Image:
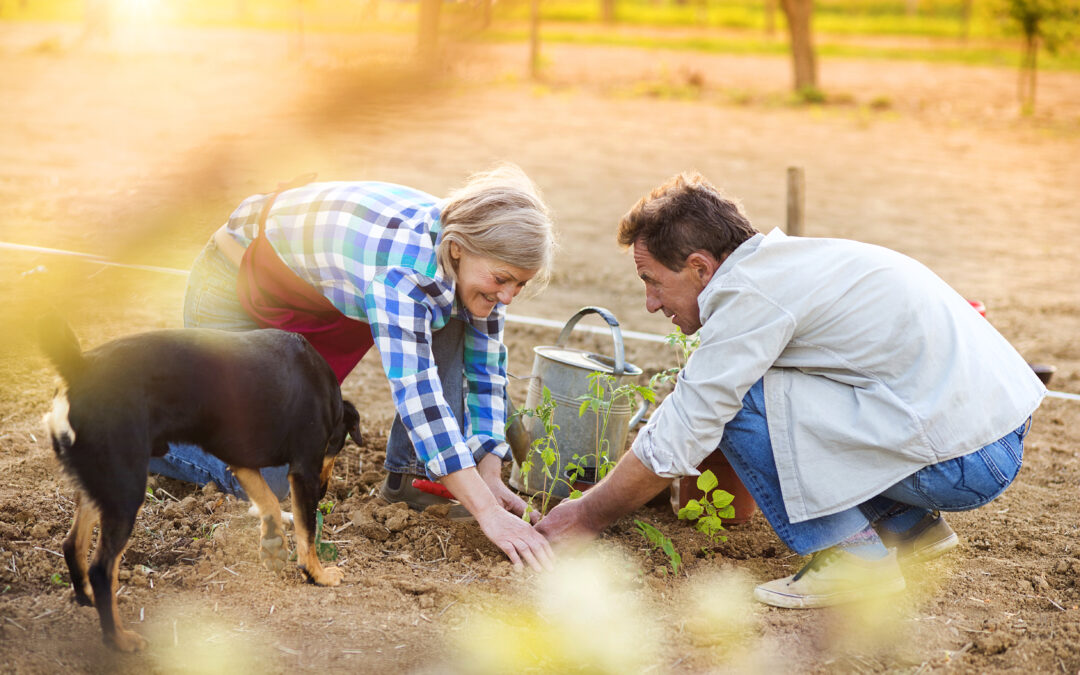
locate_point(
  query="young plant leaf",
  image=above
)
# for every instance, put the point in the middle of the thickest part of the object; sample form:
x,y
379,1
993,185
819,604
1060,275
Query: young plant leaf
x,y
707,481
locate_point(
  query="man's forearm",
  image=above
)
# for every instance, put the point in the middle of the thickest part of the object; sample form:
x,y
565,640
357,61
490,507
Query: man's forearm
x,y
627,487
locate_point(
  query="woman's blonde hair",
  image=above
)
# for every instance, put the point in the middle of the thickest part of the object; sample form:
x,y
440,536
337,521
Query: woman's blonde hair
x,y
500,214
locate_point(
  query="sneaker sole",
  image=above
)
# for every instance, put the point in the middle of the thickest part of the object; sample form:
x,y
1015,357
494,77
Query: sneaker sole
x,y
935,550
789,601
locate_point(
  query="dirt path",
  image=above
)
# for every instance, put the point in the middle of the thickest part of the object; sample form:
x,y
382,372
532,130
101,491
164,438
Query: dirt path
x,y
138,154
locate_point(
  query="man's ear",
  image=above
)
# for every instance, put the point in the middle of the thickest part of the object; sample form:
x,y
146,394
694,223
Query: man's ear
x,y
703,264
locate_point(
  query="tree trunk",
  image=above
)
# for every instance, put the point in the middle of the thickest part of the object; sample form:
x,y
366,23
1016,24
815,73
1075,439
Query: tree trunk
x,y
799,14
607,11
770,17
1026,85
427,45
534,39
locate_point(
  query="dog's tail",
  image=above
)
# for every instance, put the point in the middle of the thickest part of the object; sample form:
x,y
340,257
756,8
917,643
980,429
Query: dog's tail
x,y
59,343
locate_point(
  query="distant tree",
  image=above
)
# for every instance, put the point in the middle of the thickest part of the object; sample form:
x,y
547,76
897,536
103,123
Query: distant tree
x,y
770,17
799,14
534,39
607,11
427,45
1046,23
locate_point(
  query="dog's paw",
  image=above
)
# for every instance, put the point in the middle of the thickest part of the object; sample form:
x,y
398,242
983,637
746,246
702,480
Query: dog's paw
x,y
81,597
273,553
329,576
127,641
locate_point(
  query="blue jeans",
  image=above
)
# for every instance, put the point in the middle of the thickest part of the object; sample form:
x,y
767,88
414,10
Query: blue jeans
x,y
958,484
211,302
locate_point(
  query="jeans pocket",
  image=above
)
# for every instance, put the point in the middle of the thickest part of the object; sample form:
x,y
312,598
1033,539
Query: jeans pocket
x,y
967,482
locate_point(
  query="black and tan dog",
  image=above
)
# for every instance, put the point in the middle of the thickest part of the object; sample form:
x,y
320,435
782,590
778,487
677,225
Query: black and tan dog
x,y
254,399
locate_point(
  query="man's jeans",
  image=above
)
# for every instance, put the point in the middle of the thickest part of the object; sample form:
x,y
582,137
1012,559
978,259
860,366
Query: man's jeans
x,y
954,485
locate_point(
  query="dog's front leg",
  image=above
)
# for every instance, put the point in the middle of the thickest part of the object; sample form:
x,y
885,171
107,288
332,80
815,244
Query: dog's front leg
x,y
76,544
305,497
273,546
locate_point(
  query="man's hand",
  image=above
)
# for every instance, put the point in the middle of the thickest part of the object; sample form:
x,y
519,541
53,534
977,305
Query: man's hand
x,y
565,525
627,487
490,468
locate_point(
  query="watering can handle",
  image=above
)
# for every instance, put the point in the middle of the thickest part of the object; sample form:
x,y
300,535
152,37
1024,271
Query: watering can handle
x,y
616,333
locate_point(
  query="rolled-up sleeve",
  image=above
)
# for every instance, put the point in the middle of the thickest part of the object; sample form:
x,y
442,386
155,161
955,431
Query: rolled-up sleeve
x,y
485,377
400,309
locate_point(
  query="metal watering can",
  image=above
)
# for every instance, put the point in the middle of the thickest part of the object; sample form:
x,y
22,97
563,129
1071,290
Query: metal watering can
x,y
565,372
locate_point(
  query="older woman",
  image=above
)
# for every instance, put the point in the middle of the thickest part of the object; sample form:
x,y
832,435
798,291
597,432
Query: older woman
x,y
351,264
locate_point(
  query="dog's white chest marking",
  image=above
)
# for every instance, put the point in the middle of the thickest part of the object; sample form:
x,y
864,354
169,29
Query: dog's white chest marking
x,y
56,421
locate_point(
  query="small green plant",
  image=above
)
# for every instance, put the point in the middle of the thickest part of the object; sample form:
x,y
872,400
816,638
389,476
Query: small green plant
x,y
206,531
55,579
684,346
601,397
326,551
708,512
657,538
326,506
546,447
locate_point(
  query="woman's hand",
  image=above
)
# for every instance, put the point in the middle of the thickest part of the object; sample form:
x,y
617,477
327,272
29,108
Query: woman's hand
x,y
490,468
516,538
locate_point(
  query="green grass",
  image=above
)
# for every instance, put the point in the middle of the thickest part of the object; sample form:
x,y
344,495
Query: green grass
x,y
1002,54
843,28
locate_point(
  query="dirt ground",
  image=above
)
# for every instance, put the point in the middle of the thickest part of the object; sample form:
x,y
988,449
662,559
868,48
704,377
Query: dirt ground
x,y
137,151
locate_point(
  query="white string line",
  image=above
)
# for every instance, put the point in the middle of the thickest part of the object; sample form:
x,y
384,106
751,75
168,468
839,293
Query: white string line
x,y
513,318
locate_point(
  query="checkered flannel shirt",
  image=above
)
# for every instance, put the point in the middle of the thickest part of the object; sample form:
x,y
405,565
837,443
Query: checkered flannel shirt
x,y
369,247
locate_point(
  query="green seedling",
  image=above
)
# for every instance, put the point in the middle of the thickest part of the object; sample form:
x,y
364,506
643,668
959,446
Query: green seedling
x,y
55,579
601,397
546,447
326,551
657,538
708,512
685,345
326,506
206,532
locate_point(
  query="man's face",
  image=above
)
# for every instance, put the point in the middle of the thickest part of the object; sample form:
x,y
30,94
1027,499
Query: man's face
x,y
673,293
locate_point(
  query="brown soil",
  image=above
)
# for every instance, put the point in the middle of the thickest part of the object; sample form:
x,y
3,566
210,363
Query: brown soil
x,y
138,151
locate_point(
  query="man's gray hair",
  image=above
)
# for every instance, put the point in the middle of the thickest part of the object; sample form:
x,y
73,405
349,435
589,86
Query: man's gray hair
x,y
500,214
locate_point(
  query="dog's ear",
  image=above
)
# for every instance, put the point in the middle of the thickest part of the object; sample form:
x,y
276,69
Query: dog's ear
x,y
351,420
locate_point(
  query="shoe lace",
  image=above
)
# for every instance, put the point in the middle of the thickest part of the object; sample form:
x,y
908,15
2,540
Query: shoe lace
x,y
817,561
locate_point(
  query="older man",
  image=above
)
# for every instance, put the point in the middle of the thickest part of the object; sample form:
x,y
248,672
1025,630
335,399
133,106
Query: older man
x,y
854,392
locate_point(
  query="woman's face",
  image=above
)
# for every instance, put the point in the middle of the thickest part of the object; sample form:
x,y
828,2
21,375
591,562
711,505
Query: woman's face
x,y
484,282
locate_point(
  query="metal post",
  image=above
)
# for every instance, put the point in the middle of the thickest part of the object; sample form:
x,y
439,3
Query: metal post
x,y
796,201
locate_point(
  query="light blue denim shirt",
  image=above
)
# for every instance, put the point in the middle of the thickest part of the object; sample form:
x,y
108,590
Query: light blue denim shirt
x,y
873,367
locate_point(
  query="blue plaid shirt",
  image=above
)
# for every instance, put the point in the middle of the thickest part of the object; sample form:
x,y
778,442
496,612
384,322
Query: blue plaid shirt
x,y
370,249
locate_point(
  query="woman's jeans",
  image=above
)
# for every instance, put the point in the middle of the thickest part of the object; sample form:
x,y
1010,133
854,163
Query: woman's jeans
x,y
957,484
211,302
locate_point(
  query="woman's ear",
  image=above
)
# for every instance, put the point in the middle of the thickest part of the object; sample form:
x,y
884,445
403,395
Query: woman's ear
x,y
455,251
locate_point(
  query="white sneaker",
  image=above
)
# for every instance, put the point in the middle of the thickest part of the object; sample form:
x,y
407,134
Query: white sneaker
x,y
834,577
